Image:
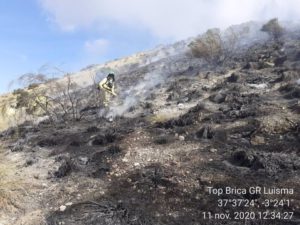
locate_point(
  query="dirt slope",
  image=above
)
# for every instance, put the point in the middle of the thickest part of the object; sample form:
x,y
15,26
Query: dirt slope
x,y
235,125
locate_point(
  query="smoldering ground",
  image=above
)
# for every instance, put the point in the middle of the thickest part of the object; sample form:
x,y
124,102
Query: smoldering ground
x,y
229,131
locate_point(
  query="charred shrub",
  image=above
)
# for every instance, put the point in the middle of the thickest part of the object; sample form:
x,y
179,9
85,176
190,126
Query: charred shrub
x,y
110,137
216,47
173,96
92,110
180,130
218,98
63,170
219,86
287,88
161,140
242,158
18,146
75,143
98,157
233,78
197,108
220,136
114,149
194,94
185,120
23,98
174,86
208,47
33,86
147,105
99,140
295,93
246,159
92,129
9,132
47,143
131,109
273,28
205,132
291,90
101,171
182,121
30,162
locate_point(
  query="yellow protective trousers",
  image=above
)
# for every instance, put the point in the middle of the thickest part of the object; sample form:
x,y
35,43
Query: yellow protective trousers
x,y
107,98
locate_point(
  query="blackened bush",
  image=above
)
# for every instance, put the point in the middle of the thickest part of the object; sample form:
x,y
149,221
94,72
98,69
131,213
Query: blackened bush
x,y
92,129
114,149
161,140
273,28
209,46
47,143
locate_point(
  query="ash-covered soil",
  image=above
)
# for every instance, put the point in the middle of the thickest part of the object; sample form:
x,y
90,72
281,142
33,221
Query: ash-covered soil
x,y
235,125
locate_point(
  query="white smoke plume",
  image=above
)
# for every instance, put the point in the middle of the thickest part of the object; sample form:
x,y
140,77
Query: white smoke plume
x,y
167,19
136,94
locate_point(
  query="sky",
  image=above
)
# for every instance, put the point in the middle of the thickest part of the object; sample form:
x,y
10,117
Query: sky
x,y
72,34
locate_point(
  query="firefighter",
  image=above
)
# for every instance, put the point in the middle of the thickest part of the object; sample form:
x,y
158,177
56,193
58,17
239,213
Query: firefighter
x,y
108,86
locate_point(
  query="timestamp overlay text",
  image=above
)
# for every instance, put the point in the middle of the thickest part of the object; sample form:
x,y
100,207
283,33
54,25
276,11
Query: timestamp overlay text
x,y
251,203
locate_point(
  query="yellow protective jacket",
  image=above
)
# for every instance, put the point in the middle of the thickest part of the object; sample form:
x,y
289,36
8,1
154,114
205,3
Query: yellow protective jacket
x,y
104,85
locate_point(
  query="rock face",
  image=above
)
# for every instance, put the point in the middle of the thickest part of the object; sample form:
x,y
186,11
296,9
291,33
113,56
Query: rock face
x,y
181,125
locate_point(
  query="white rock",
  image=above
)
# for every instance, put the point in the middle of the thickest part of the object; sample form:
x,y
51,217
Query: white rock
x,y
180,106
136,164
181,138
213,150
124,160
83,160
258,86
69,203
62,208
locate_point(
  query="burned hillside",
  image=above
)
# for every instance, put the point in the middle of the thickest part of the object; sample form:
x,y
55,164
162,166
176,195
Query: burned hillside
x,y
182,124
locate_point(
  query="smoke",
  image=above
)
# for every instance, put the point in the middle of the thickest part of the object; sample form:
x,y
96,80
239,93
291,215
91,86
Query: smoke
x,y
168,19
136,94
246,34
125,105
166,51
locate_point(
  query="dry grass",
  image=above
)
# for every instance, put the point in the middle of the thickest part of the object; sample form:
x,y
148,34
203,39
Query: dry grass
x,y
159,118
12,189
2,124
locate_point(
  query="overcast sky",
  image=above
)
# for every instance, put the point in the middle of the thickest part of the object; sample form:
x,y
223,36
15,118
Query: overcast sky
x,y
72,34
